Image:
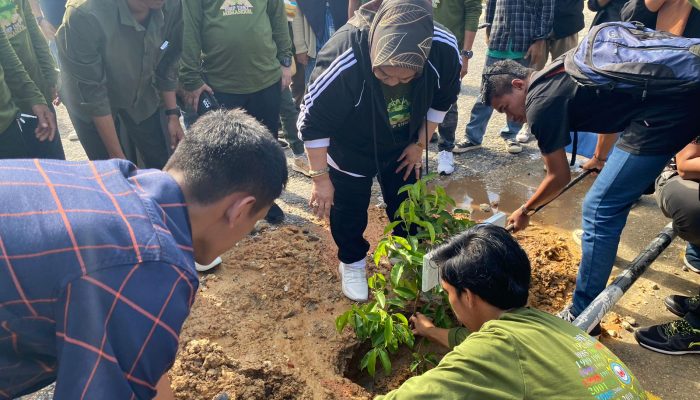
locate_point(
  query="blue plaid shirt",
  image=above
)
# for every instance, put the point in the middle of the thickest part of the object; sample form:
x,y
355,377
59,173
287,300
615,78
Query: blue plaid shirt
x,y
96,277
515,24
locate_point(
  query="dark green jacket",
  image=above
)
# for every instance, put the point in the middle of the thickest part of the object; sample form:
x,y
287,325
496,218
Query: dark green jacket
x,y
111,62
236,44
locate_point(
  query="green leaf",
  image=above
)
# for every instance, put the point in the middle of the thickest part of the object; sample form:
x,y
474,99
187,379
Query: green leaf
x,y
396,273
364,361
390,227
381,298
386,363
405,293
405,188
372,362
373,317
371,281
402,242
401,318
378,339
388,330
342,321
396,302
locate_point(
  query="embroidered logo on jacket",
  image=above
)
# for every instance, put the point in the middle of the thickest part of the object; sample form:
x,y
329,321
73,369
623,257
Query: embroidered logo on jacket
x,y
236,7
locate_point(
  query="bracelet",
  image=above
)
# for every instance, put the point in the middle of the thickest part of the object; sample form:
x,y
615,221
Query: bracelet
x,y
599,159
420,144
320,172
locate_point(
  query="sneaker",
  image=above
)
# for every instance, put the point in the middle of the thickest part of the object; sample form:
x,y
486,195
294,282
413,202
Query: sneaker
x,y
73,137
576,235
680,305
675,337
353,279
446,164
283,143
301,164
275,215
567,316
691,259
203,268
523,135
513,147
463,147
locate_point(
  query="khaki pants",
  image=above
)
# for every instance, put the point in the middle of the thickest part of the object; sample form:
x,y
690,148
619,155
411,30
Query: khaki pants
x,y
557,47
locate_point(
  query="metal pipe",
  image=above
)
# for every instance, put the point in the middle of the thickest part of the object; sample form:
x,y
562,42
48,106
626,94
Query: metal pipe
x,y
605,301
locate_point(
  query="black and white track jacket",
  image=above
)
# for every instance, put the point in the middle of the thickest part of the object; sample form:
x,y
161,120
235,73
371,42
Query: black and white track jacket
x,y
344,107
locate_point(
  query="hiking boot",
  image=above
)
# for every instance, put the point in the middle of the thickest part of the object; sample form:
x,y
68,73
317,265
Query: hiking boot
x,y
301,164
446,164
513,147
680,305
691,259
275,215
353,279
675,337
523,135
204,268
465,146
567,316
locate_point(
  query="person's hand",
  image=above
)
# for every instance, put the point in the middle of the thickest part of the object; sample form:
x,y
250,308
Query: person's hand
x,y
322,191
175,131
519,220
535,53
465,67
595,164
302,58
192,98
286,77
47,29
421,324
410,160
55,98
46,126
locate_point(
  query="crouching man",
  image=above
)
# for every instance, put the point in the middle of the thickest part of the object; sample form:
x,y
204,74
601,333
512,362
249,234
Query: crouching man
x,y
97,258
513,352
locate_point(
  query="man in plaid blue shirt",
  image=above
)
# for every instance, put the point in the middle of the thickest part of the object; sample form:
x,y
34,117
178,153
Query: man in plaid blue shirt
x,y
97,258
517,31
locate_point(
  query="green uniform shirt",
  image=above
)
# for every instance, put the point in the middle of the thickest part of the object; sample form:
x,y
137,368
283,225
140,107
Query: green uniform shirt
x,y
458,16
15,83
110,62
526,354
236,44
20,27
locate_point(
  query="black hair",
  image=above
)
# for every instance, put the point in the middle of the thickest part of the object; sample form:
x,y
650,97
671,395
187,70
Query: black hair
x,y
496,81
226,152
488,261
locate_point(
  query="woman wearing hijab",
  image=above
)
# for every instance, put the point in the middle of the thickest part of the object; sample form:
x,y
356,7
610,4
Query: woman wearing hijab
x,y
381,86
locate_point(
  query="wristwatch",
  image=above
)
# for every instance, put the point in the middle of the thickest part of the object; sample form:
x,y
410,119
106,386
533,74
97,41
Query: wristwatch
x,y
286,62
468,54
173,111
527,211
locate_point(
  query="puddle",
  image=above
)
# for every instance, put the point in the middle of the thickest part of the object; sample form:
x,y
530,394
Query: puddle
x,y
506,195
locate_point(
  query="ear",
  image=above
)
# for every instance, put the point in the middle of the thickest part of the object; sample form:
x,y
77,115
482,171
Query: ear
x,y
238,208
518,84
469,299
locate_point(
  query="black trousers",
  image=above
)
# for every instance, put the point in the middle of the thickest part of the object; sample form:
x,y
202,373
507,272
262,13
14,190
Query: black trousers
x,y
263,105
19,141
147,136
350,202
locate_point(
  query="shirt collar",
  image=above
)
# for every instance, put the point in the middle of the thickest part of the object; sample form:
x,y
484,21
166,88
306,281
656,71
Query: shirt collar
x,y
127,18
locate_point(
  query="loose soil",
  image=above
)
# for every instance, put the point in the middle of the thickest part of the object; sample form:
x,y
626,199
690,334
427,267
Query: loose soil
x,y
262,326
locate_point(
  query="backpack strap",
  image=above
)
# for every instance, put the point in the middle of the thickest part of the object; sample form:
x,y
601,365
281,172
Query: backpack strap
x,y
574,149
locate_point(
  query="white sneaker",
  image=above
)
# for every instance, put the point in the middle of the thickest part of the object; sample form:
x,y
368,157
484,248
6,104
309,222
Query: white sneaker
x,y
523,135
73,137
513,147
203,268
446,164
353,279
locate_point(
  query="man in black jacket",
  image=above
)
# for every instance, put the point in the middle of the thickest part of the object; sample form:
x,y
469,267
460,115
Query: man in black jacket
x,y
381,86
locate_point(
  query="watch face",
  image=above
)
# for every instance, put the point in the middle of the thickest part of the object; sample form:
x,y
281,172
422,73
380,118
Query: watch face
x,y
286,62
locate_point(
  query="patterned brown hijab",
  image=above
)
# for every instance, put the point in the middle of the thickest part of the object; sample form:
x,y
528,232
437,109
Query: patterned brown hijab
x,y
400,32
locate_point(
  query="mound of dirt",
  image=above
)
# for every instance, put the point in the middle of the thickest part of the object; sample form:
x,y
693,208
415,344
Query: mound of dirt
x,y
204,371
554,259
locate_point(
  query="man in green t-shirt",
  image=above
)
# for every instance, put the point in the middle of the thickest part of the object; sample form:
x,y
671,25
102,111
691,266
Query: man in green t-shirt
x,y
239,51
513,352
28,45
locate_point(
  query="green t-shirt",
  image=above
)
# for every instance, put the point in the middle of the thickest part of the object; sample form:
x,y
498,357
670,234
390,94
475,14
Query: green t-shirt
x,y
526,354
398,106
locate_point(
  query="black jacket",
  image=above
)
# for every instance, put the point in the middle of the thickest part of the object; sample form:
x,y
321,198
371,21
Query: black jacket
x,y
568,18
344,107
609,13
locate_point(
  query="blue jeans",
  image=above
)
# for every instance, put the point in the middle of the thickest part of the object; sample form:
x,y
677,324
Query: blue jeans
x,y
605,211
481,114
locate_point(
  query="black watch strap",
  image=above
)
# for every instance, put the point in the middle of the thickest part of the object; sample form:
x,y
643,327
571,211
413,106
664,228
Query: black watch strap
x,y
468,54
173,111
